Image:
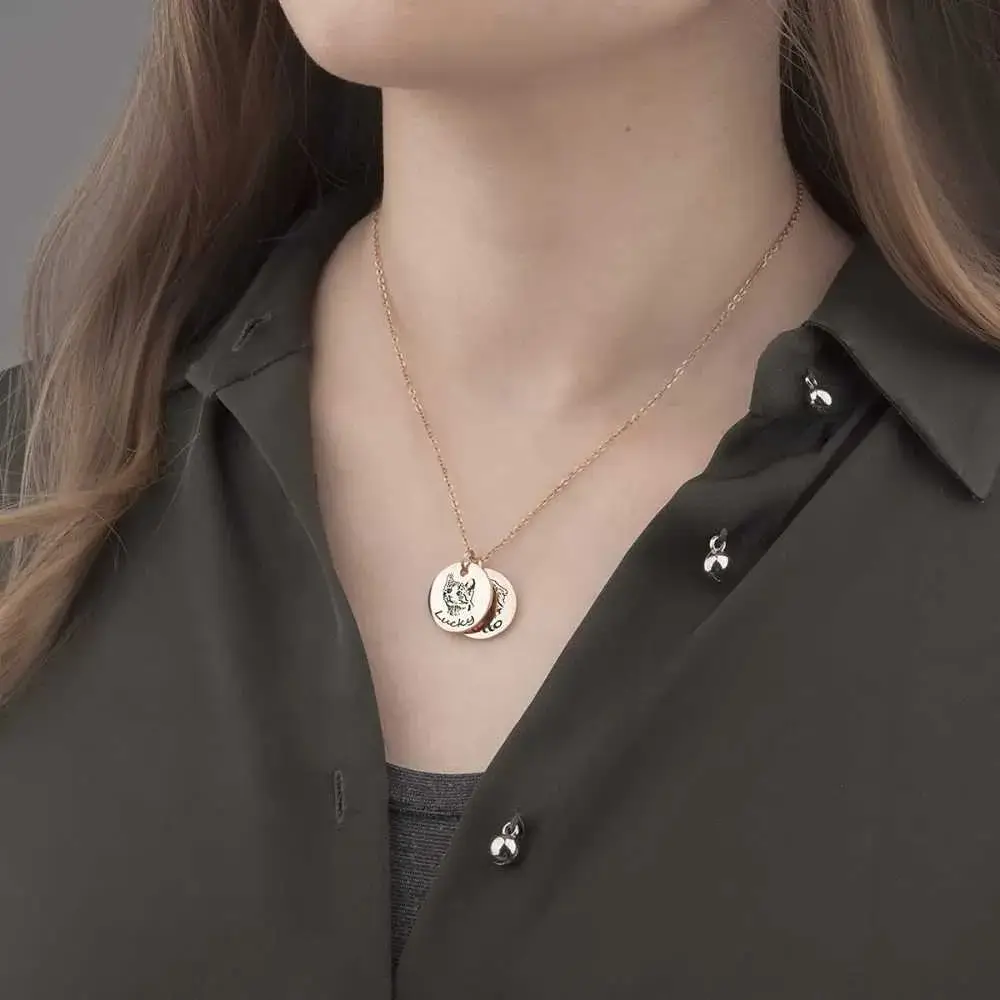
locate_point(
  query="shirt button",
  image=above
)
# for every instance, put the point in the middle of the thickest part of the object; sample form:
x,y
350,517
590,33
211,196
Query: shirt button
x,y
505,848
820,399
717,562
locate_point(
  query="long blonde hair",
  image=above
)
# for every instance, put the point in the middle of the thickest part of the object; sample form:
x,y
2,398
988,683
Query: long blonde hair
x,y
231,131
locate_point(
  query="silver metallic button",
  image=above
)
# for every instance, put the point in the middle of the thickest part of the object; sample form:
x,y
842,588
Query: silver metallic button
x,y
505,848
717,561
820,399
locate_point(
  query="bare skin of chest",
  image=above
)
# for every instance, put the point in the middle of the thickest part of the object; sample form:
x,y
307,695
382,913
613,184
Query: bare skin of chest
x,y
447,703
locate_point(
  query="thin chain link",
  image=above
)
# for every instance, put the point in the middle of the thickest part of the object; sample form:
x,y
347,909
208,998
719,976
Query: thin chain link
x,y
470,553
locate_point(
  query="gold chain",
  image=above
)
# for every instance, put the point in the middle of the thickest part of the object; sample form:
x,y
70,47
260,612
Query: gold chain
x,y
470,553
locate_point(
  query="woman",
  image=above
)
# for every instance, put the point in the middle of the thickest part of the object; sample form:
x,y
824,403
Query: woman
x,y
500,503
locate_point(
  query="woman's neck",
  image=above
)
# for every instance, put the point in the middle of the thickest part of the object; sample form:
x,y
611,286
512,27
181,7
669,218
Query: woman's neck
x,y
585,227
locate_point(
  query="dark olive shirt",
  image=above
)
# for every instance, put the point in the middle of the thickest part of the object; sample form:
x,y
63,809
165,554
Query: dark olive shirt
x,y
780,783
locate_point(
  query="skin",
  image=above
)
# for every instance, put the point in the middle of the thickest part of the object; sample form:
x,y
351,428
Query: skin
x,y
574,190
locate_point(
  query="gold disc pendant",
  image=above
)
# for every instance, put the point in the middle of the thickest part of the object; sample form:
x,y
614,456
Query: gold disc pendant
x,y
461,597
504,608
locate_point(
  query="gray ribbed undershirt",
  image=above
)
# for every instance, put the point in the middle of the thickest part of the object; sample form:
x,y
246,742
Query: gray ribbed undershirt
x,y
424,811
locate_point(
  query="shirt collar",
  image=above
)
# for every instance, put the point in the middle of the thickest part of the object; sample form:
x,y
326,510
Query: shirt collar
x,y
273,315
944,382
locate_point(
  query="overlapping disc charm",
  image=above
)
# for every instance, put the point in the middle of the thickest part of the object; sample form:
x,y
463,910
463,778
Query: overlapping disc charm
x,y
461,597
504,608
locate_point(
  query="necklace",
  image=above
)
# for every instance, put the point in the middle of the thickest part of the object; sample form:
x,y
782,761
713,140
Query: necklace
x,y
477,601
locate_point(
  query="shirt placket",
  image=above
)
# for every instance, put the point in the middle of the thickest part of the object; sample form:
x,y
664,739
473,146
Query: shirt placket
x,y
665,589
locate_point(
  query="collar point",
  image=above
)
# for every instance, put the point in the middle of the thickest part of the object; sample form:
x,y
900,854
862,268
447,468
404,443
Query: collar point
x,y
979,482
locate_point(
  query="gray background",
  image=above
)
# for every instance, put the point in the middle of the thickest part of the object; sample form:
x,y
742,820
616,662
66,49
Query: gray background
x,y
64,73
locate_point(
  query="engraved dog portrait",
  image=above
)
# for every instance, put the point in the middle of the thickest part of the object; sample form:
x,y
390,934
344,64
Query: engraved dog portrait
x,y
458,595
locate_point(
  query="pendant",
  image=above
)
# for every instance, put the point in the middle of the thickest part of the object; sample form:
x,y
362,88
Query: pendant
x,y
461,597
504,608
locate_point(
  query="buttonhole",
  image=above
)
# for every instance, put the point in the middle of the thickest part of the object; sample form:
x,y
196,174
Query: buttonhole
x,y
248,329
339,799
